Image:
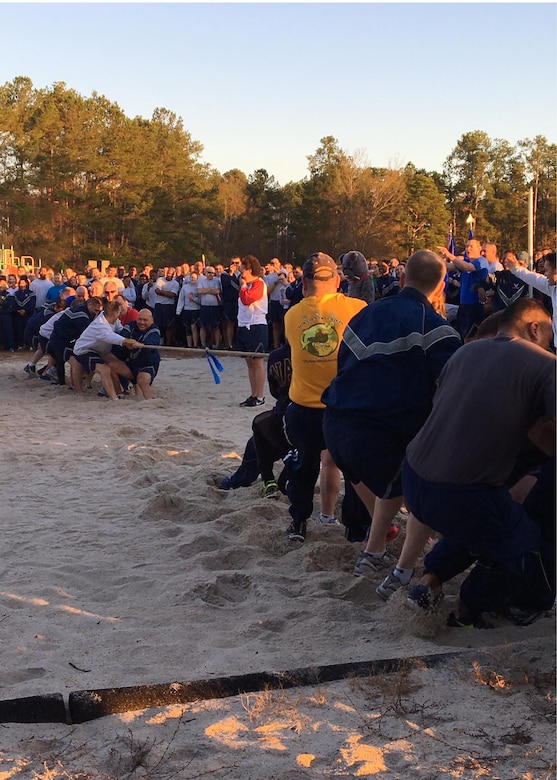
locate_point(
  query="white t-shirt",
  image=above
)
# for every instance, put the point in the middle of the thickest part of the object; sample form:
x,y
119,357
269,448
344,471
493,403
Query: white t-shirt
x,y
100,336
40,287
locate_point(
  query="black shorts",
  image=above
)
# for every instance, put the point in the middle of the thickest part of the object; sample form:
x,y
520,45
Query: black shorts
x,y
164,315
209,316
253,339
190,317
276,312
230,311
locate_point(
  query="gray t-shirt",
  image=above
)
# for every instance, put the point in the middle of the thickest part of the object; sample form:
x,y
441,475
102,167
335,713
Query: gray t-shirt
x,y
490,394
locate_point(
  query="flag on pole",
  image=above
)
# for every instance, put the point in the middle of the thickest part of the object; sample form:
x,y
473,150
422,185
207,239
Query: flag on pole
x,y
451,246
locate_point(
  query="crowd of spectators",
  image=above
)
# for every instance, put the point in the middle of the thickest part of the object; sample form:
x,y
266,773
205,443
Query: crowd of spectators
x,y
372,382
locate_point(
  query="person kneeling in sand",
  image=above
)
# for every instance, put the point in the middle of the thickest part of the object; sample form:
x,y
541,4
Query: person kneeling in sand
x,y
143,364
92,351
463,495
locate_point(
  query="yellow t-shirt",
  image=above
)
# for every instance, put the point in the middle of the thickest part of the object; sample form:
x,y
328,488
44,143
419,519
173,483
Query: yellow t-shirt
x,y
314,329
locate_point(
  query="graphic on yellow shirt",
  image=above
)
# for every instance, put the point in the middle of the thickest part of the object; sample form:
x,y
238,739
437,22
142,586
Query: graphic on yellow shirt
x,y
320,340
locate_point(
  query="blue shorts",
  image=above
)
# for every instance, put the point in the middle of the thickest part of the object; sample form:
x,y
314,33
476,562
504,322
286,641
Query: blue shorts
x,y
89,361
481,518
365,454
252,339
150,370
58,350
209,316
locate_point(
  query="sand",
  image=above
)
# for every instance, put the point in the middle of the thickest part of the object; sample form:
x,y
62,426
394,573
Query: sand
x,y
124,564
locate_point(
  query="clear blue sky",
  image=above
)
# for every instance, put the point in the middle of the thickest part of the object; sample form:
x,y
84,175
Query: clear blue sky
x,y
260,84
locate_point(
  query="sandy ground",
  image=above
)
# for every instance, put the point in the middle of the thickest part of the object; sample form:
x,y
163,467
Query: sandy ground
x,y
123,564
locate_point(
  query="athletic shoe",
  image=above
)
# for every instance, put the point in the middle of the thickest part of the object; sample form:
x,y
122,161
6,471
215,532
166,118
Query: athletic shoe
x,y
270,489
523,617
326,520
52,373
479,622
249,401
31,370
389,585
422,597
367,564
297,533
102,394
226,483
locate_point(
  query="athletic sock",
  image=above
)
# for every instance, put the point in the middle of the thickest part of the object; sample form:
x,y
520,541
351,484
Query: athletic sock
x,y
404,575
377,555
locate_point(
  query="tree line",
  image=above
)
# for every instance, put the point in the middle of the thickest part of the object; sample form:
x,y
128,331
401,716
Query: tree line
x,y
81,180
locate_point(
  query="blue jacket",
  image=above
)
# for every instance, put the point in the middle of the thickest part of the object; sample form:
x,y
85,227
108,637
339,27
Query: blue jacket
x,y
391,355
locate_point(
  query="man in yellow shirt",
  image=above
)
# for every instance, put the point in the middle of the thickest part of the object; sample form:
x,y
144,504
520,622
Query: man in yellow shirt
x,y
314,329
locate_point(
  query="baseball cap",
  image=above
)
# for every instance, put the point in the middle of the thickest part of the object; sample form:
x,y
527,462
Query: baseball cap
x,y
320,267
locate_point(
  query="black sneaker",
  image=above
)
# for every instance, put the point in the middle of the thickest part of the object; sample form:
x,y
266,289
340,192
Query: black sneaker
x,y
253,401
297,533
31,370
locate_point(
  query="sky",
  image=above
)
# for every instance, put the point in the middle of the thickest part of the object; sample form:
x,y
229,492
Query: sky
x,y
260,84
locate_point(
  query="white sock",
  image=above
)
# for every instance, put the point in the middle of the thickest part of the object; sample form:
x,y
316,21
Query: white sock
x,y
377,555
404,575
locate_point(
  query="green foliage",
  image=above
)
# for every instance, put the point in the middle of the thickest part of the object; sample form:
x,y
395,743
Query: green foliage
x,y
80,180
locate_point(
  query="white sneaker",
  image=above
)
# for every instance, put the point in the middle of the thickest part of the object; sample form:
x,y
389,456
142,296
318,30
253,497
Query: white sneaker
x,y
390,584
326,519
367,564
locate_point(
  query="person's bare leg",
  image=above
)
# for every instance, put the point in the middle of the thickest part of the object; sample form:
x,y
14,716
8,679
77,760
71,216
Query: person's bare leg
x,y
277,334
77,373
228,333
106,378
256,376
144,384
382,512
415,540
195,335
329,484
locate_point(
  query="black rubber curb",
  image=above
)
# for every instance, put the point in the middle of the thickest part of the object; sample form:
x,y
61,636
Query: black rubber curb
x,y
88,705
48,708
91,704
